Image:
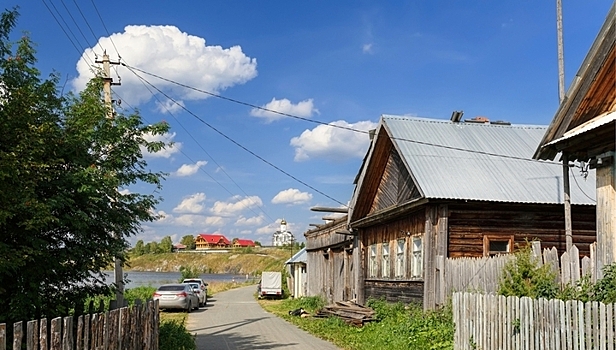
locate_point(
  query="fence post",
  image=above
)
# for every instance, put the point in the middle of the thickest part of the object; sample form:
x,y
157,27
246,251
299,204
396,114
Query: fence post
x,y
2,336
32,335
43,343
17,335
56,333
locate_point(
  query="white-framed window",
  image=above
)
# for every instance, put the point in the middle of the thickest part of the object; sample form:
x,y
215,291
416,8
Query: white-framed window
x,y
385,260
372,265
417,257
400,261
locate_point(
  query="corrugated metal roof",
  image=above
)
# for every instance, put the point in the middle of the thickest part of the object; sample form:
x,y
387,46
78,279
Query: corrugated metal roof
x,y
299,257
485,162
586,127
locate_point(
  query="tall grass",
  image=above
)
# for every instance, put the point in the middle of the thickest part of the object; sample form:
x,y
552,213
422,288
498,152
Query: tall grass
x,y
399,326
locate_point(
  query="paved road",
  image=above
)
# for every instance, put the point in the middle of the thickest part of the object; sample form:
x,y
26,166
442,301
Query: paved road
x,y
234,320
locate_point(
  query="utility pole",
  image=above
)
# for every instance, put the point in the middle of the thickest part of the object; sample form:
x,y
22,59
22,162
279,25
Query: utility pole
x,y
561,97
107,82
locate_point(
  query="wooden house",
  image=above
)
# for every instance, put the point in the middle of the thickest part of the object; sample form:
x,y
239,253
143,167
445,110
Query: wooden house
x,y
330,261
211,241
435,189
243,243
584,129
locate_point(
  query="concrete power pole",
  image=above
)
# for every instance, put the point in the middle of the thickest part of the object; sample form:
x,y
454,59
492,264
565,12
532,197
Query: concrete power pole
x,y
561,97
107,82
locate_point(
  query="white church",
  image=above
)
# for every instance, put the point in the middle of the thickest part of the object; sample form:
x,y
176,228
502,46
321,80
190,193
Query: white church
x,y
282,237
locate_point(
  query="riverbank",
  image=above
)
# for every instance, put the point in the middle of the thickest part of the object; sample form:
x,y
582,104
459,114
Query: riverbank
x,y
238,262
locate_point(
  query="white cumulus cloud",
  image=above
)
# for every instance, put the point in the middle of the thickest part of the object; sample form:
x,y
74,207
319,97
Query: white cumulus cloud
x,y
190,169
332,143
301,109
236,205
192,204
292,196
173,54
251,221
166,152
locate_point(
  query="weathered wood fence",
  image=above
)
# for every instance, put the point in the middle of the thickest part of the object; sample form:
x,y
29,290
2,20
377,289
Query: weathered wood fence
x,y
482,274
496,322
127,328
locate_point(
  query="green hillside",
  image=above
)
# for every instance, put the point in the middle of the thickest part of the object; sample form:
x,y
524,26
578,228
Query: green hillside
x,y
242,261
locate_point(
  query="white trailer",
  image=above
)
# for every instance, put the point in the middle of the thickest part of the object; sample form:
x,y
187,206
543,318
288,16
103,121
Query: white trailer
x,y
270,285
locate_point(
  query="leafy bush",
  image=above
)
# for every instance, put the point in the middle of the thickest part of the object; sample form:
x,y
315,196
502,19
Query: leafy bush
x,y
605,289
523,277
173,335
188,272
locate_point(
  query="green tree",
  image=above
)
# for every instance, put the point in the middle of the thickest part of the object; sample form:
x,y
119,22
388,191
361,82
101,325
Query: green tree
x,y
166,245
139,248
62,161
152,248
189,242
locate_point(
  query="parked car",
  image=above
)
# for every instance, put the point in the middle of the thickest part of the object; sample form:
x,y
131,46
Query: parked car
x,y
202,287
201,295
176,296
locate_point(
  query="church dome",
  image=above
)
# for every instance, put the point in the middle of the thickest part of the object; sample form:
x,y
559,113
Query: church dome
x,y
283,222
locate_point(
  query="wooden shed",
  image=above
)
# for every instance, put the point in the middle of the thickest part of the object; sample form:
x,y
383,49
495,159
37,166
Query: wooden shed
x,y
432,189
584,129
331,268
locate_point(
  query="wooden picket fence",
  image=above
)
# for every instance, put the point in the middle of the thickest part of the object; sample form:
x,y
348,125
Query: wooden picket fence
x,y
127,328
485,322
483,274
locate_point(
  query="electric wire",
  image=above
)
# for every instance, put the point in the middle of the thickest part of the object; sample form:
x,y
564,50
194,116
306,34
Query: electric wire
x,y
74,22
88,24
66,34
233,141
105,27
67,26
579,187
219,166
334,125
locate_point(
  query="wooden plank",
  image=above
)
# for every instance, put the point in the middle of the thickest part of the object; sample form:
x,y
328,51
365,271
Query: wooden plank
x,y
56,334
86,332
32,338
574,323
565,270
43,342
79,336
2,336
588,324
581,325
17,335
596,322
610,326
574,256
67,333
602,325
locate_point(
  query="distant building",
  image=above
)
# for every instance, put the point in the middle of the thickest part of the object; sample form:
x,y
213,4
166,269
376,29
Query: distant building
x,y
243,243
178,247
208,241
282,237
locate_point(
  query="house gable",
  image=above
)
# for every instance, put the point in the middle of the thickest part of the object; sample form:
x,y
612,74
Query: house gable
x,y
384,181
396,186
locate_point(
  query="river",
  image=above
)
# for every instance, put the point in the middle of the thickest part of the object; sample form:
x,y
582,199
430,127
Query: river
x,y
155,279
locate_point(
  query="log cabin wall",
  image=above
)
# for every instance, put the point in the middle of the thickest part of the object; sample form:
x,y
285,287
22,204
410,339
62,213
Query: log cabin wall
x,y
384,279
469,223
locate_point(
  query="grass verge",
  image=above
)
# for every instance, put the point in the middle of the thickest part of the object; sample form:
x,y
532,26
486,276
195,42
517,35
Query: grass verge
x,y
399,327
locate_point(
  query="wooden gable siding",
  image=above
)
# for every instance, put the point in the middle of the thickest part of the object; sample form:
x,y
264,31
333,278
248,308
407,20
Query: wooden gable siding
x,y
372,175
469,223
396,186
599,93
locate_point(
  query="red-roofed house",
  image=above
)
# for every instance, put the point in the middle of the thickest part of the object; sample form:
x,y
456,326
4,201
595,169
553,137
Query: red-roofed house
x,y
243,243
208,241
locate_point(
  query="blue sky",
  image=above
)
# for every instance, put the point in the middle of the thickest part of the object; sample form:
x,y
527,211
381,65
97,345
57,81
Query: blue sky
x,y
343,62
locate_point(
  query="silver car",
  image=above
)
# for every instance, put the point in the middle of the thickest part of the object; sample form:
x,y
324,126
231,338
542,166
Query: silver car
x,y
176,296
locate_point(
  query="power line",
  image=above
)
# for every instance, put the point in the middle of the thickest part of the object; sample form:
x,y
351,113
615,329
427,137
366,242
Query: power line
x,y
212,158
88,24
104,26
235,142
334,125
